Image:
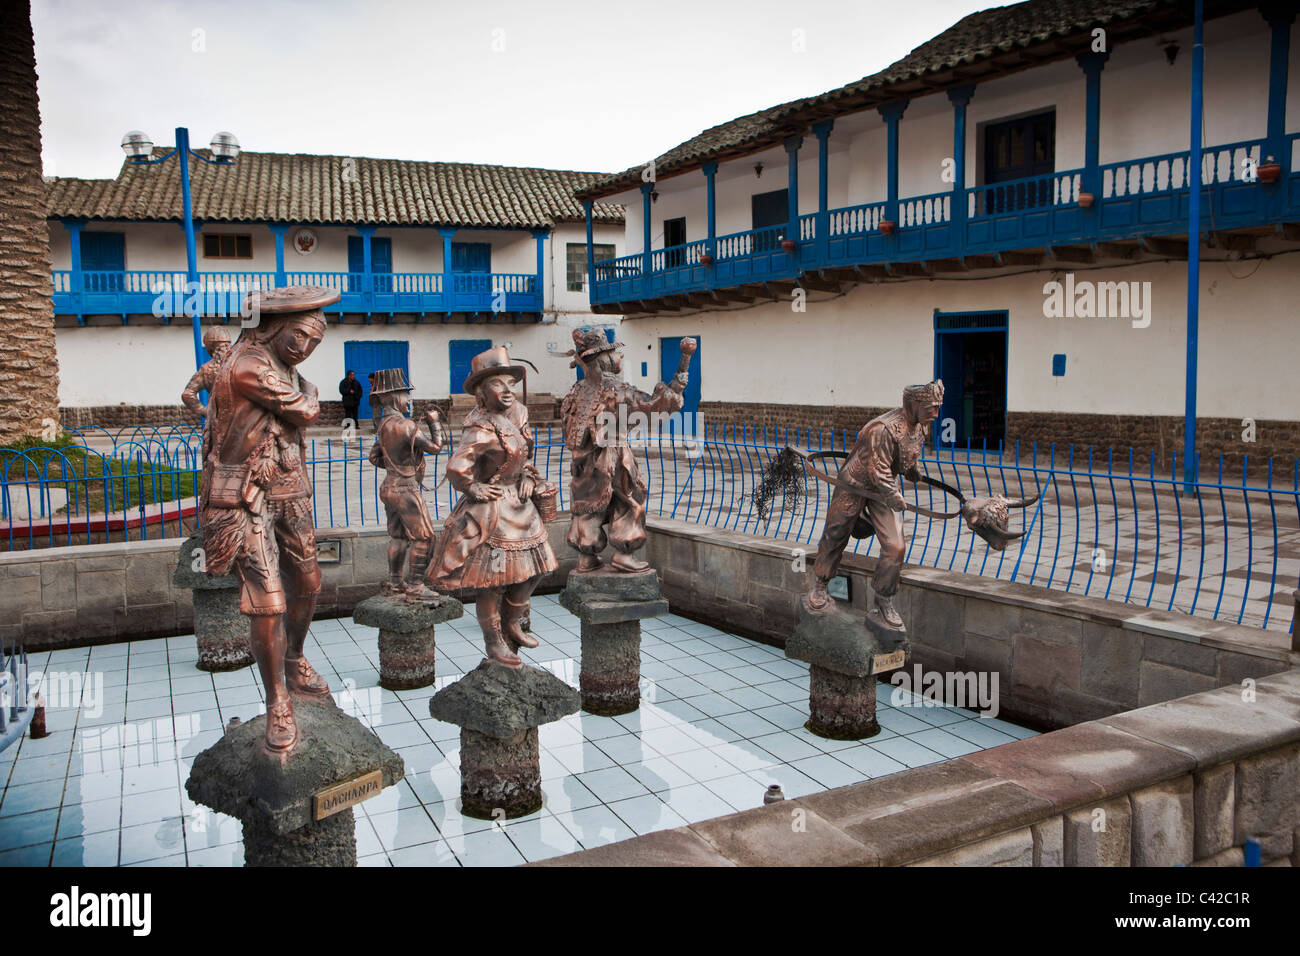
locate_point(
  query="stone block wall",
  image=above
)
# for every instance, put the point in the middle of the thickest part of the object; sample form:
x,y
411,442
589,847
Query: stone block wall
x,y
1180,783
99,594
1059,658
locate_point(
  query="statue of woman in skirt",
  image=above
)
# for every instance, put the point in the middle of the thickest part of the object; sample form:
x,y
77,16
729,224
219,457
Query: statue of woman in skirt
x,y
495,540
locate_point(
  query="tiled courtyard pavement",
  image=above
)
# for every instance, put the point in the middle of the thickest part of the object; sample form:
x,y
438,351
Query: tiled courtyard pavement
x,y
722,717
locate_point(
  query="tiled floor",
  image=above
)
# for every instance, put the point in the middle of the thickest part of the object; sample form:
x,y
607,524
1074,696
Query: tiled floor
x,y
721,719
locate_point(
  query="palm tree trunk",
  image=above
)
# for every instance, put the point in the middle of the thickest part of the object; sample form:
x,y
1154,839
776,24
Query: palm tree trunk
x,y
29,367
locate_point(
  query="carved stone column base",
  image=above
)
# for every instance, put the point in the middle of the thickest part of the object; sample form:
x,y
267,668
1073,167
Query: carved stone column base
x,y
500,774
841,707
220,631
296,812
845,652
498,710
331,842
610,605
406,637
610,679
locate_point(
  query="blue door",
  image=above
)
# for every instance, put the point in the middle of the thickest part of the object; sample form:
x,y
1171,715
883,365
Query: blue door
x,y
670,352
366,357
471,263
381,262
970,355
769,209
461,351
103,254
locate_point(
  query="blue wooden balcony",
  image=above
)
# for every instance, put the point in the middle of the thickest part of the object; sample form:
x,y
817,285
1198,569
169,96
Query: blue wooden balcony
x,y
164,293
1137,199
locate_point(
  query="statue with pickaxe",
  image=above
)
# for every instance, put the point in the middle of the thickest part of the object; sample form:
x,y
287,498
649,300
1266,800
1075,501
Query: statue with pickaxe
x,y
867,498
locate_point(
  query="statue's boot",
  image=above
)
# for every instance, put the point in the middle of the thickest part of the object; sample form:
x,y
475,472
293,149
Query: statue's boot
x,y
625,562
512,616
303,679
281,728
588,562
885,604
392,586
494,644
417,593
817,598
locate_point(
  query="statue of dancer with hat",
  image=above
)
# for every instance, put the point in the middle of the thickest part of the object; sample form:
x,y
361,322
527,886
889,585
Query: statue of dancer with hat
x,y
608,490
399,449
495,540
255,507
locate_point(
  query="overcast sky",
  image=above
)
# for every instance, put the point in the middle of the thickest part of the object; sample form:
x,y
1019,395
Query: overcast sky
x,y
571,84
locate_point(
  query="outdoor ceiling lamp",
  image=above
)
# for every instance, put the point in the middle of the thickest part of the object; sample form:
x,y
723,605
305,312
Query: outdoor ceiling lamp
x,y
137,144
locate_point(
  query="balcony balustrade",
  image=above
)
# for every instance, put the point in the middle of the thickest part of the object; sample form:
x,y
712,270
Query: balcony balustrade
x,y
1136,198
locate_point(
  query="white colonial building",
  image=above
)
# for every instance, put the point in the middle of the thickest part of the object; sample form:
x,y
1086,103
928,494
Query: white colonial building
x,y
434,263
930,219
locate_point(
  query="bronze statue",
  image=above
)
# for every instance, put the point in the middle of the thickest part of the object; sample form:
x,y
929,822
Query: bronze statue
x,y
495,540
399,449
867,499
255,507
217,342
608,490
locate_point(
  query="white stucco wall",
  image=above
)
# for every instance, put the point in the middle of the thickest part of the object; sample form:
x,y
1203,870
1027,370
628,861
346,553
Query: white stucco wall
x,y
865,346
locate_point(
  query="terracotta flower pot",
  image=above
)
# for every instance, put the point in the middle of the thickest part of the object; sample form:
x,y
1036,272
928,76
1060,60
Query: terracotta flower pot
x,y
1268,172
887,226
788,245
706,259
1086,200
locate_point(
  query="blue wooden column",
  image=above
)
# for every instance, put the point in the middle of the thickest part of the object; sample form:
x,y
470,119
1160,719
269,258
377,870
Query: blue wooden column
x,y
960,97
646,189
591,253
1091,63
448,288
77,279
1279,19
540,235
278,229
891,113
710,170
367,280
822,131
792,144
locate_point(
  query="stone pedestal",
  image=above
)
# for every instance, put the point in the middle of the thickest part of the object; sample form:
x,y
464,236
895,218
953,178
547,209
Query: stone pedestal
x,y
498,710
845,653
276,802
219,629
406,638
610,605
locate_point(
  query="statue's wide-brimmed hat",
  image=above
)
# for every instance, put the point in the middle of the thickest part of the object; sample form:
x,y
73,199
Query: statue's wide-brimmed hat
x,y
292,298
588,343
492,362
389,380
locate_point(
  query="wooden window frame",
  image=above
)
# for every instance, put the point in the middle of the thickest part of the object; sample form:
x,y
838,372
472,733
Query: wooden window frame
x,y
236,236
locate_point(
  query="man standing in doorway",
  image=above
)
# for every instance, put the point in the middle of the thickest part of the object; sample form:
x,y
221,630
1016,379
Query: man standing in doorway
x,y
350,389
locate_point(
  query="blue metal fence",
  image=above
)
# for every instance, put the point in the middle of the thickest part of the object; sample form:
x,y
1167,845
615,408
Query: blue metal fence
x,y
1103,526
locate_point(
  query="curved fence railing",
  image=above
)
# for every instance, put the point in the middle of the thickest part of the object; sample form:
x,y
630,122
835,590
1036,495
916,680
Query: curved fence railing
x,y
1102,526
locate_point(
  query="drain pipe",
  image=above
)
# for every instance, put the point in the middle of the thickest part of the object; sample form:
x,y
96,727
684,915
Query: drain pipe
x,y
1190,464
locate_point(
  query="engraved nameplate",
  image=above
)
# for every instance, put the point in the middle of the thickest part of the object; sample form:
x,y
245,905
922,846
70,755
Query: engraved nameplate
x,y
339,797
888,662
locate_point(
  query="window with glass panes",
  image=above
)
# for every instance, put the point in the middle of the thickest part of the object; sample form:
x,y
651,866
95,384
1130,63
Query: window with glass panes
x,y
232,246
576,262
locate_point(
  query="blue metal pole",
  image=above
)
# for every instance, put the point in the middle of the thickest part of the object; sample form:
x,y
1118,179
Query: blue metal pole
x,y
1193,255
191,253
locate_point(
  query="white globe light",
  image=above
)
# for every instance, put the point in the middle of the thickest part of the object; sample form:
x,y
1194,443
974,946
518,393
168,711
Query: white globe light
x,y
224,145
137,144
